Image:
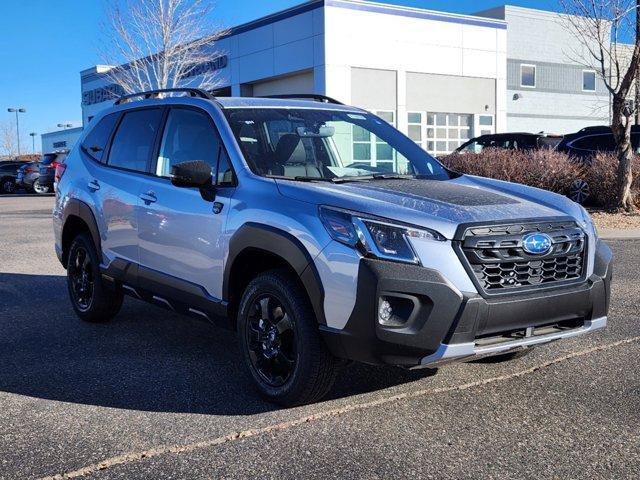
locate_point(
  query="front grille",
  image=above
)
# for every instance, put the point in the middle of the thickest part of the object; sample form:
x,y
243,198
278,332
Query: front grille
x,y
499,263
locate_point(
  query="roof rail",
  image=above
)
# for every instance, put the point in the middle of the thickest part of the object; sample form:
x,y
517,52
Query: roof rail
x,y
193,92
307,96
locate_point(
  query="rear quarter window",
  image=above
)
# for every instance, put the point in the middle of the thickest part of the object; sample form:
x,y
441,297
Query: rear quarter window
x,y
95,143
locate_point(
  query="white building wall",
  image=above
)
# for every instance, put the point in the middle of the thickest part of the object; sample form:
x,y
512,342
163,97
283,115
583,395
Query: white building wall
x,y
299,83
60,139
557,103
404,41
316,47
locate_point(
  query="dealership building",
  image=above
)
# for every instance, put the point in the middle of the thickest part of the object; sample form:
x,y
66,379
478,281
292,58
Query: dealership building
x,y
439,77
546,90
60,140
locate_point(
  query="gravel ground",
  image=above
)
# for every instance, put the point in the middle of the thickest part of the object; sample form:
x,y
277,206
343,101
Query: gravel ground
x,y
155,395
606,220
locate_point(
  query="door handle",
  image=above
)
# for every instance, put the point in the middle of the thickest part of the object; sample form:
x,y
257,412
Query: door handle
x,y
149,197
93,185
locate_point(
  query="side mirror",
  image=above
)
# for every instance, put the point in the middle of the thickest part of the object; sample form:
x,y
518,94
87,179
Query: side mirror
x,y
194,173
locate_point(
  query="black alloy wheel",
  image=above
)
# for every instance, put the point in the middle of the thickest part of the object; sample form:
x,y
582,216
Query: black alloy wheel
x,y
92,299
281,343
271,340
81,274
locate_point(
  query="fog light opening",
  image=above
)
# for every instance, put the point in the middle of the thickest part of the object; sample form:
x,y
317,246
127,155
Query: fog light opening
x,y
396,310
385,312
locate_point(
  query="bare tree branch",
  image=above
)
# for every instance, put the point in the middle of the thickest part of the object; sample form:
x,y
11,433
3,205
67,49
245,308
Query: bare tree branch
x,y
158,44
8,139
599,26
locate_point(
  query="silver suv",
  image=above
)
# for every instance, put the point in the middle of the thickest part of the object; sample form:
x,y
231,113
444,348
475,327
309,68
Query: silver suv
x,y
321,234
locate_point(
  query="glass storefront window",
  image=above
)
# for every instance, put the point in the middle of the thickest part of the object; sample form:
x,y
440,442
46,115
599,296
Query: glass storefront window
x,y
369,149
438,132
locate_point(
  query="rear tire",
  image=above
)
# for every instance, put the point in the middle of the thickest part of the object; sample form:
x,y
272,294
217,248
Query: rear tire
x,y
91,299
40,189
281,343
579,191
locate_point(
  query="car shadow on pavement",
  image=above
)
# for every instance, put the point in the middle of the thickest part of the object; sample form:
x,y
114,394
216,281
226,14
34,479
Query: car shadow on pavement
x,y
144,359
27,194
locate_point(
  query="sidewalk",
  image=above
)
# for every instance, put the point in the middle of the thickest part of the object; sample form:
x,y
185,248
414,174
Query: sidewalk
x,y
619,233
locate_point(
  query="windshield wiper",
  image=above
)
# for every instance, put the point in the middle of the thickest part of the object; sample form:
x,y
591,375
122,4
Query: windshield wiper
x,y
301,178
376,176
348,178
392,176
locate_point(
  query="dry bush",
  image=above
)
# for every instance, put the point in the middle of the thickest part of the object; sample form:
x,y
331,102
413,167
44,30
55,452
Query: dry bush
x,y
546,169
28,157
538,168
602,180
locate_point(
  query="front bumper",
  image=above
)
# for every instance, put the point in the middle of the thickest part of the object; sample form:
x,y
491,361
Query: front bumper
x,y
440,324
26,181
447,353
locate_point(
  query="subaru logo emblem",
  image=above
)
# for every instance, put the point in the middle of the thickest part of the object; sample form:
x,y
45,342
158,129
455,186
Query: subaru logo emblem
x,y
536,243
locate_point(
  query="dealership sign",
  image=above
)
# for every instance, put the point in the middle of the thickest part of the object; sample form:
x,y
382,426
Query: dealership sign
x,y
217,63
114,91
102,94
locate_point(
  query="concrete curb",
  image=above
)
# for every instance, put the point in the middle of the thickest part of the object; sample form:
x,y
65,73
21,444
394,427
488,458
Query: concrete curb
x,y
619,233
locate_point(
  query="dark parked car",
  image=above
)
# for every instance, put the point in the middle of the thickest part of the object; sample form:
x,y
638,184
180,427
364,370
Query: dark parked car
x,y
29,176
585,143
590,140
510,141
47,169
8,174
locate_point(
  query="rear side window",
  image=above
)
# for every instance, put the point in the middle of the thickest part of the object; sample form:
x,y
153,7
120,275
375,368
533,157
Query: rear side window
x,y
47,158
10,167
96,141
188,135
133,142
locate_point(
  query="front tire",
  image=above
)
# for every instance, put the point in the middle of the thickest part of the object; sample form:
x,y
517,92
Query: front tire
x,y
39,188
281,343
7,185
91,299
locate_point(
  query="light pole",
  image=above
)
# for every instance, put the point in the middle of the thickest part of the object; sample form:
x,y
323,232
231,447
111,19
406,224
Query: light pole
x,y
33,141
17,111
65,125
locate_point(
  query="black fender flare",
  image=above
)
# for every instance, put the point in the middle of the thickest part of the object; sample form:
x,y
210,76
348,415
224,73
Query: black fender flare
x,y
80,209
258,236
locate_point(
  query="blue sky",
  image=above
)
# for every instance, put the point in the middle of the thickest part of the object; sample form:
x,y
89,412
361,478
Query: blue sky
x,y
44,44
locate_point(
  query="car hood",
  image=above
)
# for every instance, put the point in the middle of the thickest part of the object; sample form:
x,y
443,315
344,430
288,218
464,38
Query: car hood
x,y
441,205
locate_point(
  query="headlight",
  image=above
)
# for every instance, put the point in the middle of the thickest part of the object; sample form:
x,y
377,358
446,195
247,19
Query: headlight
x,y
374,236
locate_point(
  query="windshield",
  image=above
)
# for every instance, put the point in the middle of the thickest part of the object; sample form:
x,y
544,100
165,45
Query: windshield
x,y
327,145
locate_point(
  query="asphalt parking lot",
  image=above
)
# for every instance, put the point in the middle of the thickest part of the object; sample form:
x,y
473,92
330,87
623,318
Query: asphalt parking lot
x,y
155,395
